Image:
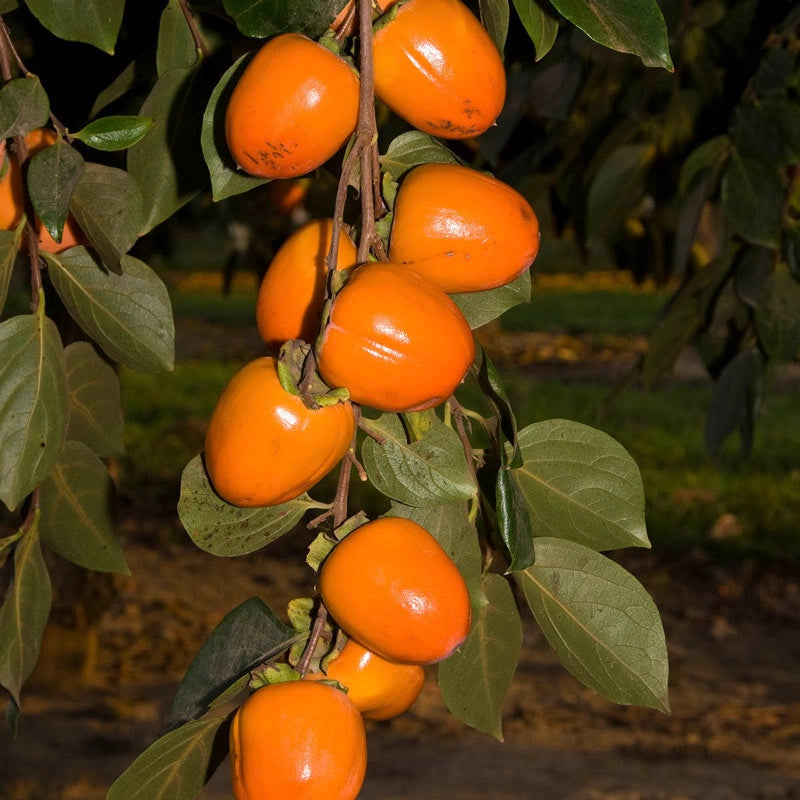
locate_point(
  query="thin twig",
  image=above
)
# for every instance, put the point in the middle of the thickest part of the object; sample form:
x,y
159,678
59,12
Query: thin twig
x,y
346,28
198,39
316,631
5,34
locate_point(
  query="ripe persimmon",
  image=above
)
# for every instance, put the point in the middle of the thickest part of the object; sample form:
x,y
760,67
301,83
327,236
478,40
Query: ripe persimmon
x,y
301,740
264,446
461,229
396,341
293,107
292,292
437,67
393,588
380,689
286,195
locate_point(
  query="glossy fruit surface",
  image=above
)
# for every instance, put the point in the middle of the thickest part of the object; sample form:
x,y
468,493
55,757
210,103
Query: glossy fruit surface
x,y
397,342
437,67
263,446
380,689
293,289
292,109
300,740
392,587
461,229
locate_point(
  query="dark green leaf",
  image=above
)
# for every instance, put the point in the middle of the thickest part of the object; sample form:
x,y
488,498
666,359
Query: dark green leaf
x,y
769,132
33,403
8,5
77,504
9,247
494,16
52,176
128,315
427,472
752,199
688,220
630,26
114,133
7,545
135,74
24,614
95,416
108,207
707,156
23,107
540,24
412,149
778,316
581,485
176,45
262,18
223,529
176,766
753,271
94,22
246,637
514,521
475,679
599,620
226,179
12,717
481,307
776,71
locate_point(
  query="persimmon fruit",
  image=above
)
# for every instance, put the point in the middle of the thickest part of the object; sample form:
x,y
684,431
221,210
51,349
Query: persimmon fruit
x,y
437,68
292,291
391,586
286,195
293,107
264,446
378,5
396,341
380,689
301,740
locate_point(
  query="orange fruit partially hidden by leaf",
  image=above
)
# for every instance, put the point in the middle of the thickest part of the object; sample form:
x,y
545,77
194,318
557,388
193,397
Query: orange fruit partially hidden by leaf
x,y
294,106
292,292
437,67
263,446
300,740
286,195
461,229
380,689
71,236
396,341
392,587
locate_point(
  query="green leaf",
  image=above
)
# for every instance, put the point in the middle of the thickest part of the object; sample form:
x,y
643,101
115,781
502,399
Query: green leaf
x,y
247,636
135,74
752,199
24,614
778,316
9,247
108,207
168,163
77,502
52,176
451,527
8,5
475,679
223,529
630,26
262,18
176,766
688,221
481,307
428,472
514,521
581,485
617,188
226,179
769,132
7,545
599,620
540,24
412,149
176,45
709,155
23,107
494,16
95,416
94,22
114,133
128,315
33,403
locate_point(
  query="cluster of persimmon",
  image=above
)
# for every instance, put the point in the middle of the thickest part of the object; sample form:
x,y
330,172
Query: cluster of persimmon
x,y
392,338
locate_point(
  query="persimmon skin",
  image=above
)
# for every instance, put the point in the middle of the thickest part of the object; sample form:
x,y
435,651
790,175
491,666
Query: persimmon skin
x,y
391,586
379,689
461,229
294,106
437,68
397,342
292,293
12,201
301,740
263,446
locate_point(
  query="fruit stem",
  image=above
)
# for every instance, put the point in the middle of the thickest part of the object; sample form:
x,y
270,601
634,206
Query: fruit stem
x,y
198,39
311,646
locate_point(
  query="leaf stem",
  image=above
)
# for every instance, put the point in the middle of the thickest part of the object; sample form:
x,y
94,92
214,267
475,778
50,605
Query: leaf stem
x,y
8,47
198,39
